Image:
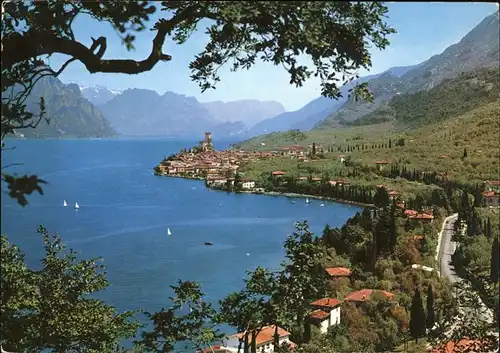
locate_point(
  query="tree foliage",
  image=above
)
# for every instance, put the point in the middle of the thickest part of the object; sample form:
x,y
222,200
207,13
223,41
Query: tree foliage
x,y
49,309
417,317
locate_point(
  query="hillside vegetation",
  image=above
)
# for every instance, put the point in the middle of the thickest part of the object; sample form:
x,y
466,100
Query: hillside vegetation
x,y
452,128
450,98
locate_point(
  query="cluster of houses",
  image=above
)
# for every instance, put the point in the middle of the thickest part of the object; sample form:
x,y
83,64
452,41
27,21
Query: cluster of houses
x,y
325,313
218,168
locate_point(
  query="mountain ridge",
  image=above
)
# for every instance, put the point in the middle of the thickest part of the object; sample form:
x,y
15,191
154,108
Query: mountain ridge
x,y
478,48
68,112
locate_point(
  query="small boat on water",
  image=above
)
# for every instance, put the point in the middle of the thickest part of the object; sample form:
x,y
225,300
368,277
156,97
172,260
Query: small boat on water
x,y
209,243
322,205
76,206
293,202
307,200
169,232
65,204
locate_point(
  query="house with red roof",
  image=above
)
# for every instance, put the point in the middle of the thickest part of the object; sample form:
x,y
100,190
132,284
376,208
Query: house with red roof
x,y
491,198
326,313
338,272
263,342
278,173
423,217
381,164
365,295
393,194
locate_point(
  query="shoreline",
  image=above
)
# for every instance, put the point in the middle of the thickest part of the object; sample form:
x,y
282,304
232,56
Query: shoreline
x,y
275,193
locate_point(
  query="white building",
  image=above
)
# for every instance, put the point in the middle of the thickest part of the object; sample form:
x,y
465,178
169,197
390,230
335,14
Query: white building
x,y
263,341
247,184
326,313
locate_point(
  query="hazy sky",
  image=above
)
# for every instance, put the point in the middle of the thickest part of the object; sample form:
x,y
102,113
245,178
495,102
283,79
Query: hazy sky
x,y
424,29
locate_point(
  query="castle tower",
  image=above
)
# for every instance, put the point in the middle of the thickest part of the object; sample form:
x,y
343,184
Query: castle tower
x,y
208,138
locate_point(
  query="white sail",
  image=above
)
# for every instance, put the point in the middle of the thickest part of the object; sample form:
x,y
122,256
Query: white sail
x,y
322,205
76,205
307,200
65,203
169,232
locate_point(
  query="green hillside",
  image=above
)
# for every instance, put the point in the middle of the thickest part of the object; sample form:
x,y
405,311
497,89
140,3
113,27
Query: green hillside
x,y
450,98
439,126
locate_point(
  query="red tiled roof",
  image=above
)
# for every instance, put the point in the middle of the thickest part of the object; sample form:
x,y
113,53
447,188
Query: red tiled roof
x,y
316,179
418,237
319,314
327,302
365,294
410,212
266,334
464,345
279,172
393,193
338,271
490,194
382,162
422,216
400,204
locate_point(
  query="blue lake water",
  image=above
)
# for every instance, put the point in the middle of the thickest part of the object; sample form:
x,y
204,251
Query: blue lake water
x,y
125,211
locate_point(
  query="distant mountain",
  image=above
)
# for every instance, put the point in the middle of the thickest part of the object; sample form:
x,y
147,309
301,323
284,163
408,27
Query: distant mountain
x,y
479,48
69,113
317,110
145,112
98,95
230,129
248,111
450,98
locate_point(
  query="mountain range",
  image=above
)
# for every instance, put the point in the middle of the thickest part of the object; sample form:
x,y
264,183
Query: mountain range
x,y
145,112
68,113
478,48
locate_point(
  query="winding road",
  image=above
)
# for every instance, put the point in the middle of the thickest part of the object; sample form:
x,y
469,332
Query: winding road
x,y
446,269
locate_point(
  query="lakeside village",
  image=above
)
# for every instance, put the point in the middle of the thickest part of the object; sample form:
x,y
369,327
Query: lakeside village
x,y
219,170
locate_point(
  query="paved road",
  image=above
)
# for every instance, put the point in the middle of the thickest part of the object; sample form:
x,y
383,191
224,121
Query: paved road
x,y
446,250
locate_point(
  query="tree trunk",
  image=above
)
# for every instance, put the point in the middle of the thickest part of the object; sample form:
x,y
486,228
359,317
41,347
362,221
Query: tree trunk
x,y
254,339
276,337
245,347
307,332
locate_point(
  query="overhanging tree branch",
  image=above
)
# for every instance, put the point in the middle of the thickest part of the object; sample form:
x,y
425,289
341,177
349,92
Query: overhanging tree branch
x,y
45,43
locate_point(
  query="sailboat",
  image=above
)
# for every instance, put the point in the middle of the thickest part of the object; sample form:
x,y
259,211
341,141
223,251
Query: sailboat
x,y
169,232
65,203
76,206
322,205
307,200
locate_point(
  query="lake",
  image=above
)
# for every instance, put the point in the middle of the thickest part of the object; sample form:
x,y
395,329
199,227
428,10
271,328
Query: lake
x,y
125,211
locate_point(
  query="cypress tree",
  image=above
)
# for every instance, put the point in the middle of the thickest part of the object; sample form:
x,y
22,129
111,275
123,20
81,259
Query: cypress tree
x,y
417,317
488,231
430,320
390,143
494,266
465,152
